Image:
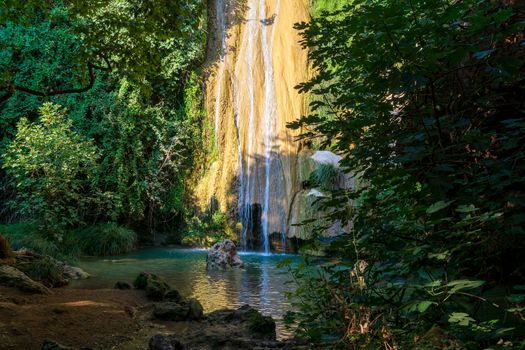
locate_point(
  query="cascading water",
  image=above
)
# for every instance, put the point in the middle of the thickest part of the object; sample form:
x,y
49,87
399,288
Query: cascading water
x,y
245,183
269,115
250,109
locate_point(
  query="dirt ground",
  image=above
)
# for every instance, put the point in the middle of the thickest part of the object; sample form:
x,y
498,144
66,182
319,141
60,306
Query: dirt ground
x,y
97,319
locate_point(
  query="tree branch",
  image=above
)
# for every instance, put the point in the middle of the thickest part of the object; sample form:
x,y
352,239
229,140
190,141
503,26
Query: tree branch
x,y
13,87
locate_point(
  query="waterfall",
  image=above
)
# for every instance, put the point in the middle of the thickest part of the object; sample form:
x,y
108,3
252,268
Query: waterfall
x,y
245,189
255,146
269,116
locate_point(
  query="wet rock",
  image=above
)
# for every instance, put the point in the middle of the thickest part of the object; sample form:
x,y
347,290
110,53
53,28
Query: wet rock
x,y
154,286
12,277
244,323
122,285
74,273
173,295
223,255
170,311
196,311
165,342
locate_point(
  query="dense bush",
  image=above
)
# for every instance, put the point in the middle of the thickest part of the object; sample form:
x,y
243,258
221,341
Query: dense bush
x,y
106,239
52,168
425,102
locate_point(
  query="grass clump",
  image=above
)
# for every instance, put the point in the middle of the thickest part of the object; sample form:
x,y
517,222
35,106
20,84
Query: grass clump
x,y
44,270
106,239
324,177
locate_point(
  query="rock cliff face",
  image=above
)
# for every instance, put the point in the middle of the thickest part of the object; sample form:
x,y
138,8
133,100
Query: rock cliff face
x,y
254,62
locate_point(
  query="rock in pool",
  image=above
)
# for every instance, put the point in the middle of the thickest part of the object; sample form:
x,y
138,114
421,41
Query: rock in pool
x,y
223,255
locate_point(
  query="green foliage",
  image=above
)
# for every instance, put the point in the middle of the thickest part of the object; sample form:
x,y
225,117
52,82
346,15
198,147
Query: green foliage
x,y
325,177
424,101
320,7
106,239
206,229
52,168
135,39
143,113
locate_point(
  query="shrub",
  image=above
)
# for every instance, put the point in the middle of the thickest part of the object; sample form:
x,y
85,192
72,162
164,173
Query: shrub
x,y
106,239
52,167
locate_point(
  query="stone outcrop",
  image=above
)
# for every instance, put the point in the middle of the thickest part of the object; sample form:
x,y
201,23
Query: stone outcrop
x,y
72,272
171,305
63,271
170,311
241,329
154,286
223,255
12,277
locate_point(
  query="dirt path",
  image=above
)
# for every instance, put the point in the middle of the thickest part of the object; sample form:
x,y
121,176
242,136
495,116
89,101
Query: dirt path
x,y
98,319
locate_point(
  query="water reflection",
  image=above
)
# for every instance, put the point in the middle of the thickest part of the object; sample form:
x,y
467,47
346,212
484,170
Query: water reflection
x,y
261,284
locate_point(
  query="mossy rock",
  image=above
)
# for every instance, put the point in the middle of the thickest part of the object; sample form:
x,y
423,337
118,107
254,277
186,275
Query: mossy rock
x,y
260,324
154,286
44,270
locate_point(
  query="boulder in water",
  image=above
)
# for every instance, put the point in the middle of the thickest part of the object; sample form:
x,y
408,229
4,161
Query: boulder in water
x,y
155,287
223,255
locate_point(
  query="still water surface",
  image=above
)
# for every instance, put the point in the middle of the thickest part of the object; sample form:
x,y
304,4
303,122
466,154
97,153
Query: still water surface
x,y
260,284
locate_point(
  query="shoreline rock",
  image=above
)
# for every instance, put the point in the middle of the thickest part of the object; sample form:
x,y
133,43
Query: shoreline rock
x,y
223,255
242,329
12,277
